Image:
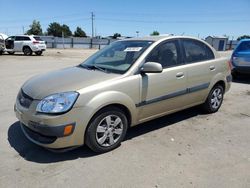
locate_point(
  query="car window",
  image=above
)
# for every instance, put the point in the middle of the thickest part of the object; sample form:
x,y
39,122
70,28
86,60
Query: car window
x,y
18,38
26,38
196,51
167,54
1,39
22,38
244,46
11,38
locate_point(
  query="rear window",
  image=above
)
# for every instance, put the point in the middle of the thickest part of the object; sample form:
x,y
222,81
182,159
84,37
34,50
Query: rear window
x,y
244,46
196,51
38,38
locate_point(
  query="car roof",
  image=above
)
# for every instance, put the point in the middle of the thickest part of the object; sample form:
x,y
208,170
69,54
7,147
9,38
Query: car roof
x,y
159,37
243,40
147,38
22,35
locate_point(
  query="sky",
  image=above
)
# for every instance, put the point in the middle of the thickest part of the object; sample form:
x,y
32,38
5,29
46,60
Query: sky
x,y
199,18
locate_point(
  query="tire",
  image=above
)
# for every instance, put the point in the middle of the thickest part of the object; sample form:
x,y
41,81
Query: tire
x,y
235,75
27,50
11,53
214,99
39,53
1,52
106,130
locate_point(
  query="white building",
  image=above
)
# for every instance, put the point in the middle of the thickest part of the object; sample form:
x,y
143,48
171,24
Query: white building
x,y
218,42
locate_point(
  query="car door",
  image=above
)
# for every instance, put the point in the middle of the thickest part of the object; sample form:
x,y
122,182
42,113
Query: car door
x,y
201,67
18,44
9,43
163,92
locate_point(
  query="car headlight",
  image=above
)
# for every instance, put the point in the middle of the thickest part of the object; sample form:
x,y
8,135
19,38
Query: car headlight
x,y
57,103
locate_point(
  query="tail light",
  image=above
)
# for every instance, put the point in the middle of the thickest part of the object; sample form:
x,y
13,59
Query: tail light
x,y
35,42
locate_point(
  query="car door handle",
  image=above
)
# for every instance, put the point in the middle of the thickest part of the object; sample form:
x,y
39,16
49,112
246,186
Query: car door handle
x,y
212,67
180,75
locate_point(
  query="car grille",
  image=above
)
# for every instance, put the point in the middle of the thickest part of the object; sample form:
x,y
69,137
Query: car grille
x,y
24,99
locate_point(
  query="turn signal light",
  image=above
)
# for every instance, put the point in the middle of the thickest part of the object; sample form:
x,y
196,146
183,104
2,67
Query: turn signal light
x,y
68,130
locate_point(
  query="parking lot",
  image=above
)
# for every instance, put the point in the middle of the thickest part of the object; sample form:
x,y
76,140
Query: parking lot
x,y
185,149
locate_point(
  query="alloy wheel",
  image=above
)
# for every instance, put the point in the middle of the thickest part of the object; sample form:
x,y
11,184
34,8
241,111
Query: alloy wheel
x,y
109,130
216,98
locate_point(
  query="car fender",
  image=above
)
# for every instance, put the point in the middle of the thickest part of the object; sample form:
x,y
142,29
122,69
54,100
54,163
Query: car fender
x,y
217,78
112,97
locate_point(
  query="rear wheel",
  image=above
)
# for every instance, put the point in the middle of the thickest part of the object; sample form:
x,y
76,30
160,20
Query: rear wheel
x,y
39,53
214,99
106,130
27,51
1,52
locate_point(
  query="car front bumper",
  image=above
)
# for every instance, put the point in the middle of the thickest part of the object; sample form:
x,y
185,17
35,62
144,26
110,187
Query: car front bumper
x,y
49,130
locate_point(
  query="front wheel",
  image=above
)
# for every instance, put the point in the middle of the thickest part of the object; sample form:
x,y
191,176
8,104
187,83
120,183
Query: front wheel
x,y
214,99
107,129
39,53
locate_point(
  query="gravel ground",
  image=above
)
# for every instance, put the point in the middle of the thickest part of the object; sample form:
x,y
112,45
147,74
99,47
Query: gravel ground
x,y
185,149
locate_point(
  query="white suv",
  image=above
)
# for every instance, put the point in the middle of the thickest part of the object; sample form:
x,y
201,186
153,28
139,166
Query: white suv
x,y
26,44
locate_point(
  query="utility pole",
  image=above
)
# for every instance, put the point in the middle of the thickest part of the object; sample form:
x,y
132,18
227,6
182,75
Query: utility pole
x,y
137,33
92,22
23,29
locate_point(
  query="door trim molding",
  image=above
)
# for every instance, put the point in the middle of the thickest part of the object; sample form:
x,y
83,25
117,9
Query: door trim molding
x,y
174,94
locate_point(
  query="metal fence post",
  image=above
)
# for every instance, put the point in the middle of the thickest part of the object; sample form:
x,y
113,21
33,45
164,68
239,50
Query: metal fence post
x,y
91,43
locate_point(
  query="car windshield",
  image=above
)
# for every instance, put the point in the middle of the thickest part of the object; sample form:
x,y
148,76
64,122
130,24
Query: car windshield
x,y
118,57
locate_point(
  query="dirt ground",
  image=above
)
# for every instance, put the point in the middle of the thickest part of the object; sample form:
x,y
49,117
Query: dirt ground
x,y
185,149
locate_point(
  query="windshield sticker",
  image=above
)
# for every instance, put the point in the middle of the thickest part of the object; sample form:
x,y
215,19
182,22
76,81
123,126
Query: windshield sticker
x,y
133,49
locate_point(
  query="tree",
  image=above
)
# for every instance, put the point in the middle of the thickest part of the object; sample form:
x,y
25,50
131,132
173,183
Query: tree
x,y
35,28
155,33
66,30
243,37
56,30
116,35
79,32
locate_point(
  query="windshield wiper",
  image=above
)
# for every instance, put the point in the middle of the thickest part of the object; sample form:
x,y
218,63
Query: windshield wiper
x,y
95,67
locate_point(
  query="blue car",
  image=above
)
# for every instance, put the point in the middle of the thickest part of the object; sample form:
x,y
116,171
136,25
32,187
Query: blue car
x,y
241,58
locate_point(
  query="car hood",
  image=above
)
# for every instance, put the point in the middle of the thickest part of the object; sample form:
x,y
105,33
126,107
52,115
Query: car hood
x,y
69,79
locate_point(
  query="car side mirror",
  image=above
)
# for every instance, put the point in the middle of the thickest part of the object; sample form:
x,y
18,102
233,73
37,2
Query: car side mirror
x,y
151,67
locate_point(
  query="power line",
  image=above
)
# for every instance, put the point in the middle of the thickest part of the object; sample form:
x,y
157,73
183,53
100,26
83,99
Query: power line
x,y
173,21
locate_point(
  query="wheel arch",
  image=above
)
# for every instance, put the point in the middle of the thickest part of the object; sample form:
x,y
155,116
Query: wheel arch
x,y
26,46
114,105
222,83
